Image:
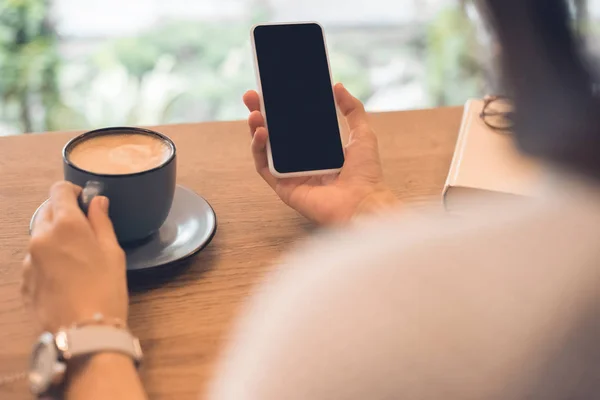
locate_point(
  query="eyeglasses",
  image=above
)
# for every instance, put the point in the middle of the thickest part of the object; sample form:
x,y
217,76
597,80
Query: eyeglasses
x,y
498,114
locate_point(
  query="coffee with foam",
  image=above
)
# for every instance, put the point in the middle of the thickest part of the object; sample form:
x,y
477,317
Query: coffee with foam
x,y
120,153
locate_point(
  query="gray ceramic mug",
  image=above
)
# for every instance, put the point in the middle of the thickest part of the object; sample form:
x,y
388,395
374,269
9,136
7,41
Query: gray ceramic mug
x,y
139,202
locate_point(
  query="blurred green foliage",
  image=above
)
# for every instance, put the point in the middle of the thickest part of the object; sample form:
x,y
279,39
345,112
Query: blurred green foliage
x,y
189,70
454,71
28,63
211,61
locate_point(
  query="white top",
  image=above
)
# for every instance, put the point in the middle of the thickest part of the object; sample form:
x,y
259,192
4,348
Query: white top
x,y
502,304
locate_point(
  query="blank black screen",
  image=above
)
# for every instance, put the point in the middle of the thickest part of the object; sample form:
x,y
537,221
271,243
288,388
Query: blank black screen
x,y
298,98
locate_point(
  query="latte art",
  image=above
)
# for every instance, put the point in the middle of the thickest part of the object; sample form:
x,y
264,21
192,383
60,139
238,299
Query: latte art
x,y
119,154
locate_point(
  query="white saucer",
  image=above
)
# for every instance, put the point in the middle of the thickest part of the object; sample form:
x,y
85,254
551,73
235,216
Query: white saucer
x,y
189,228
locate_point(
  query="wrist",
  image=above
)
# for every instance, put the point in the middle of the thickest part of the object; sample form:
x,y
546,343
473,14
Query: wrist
x,y
98,365
77,350
53,323
97,361
377,202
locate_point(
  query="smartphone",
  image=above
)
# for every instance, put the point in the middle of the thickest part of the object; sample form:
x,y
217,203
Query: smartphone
x,y
297,100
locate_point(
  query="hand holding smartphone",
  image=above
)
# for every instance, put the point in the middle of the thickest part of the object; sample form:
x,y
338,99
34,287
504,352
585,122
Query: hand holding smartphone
x,y
300,151
297,100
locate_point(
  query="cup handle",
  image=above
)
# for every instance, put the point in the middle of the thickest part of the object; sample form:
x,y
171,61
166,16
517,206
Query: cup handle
x,y
89,191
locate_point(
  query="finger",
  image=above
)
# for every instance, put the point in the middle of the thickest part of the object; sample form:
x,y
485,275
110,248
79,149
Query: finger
x,y
43,219
27,280
252,100
255,121
259,153
101,223
259,149
351,108
63,197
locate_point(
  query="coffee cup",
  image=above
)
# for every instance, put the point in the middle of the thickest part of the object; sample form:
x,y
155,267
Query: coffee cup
x,y
134,167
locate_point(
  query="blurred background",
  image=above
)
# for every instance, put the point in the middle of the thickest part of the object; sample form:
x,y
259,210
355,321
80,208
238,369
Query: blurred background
x,y
83,64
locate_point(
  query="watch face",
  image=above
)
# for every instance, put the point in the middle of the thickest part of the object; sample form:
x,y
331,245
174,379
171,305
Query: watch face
x,y
43,361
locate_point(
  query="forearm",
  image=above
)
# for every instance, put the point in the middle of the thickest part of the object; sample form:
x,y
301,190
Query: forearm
x,y
103,376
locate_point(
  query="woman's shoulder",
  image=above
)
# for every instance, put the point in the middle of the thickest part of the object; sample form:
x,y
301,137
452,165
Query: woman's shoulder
x,y
356,305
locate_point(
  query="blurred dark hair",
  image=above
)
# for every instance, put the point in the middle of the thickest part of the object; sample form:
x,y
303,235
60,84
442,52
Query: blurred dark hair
x,y
557,116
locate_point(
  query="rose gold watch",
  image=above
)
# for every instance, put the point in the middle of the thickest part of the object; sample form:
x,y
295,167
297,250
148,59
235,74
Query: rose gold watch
x,y
51,352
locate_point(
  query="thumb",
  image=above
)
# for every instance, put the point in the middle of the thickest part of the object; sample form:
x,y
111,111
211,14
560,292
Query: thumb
x,y
351,108
101,223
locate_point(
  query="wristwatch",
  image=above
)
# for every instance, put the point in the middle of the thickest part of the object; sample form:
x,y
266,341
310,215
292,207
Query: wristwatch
x,y
51,352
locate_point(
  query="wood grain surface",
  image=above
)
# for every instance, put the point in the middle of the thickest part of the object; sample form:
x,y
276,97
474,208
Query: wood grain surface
x,y
183,317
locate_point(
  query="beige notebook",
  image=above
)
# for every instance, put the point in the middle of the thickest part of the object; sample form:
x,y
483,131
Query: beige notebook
x,y
486,163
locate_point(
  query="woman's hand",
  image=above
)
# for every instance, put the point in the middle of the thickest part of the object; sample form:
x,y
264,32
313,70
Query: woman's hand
x,y
330,199
75,267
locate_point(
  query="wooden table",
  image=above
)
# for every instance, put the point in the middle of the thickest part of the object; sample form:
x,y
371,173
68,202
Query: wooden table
x,y
183,320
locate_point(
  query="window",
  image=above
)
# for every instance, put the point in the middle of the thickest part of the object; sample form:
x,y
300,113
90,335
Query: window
x,y
68,64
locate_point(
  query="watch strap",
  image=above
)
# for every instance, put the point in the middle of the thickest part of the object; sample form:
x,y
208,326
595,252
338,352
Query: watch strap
x,y
98,339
